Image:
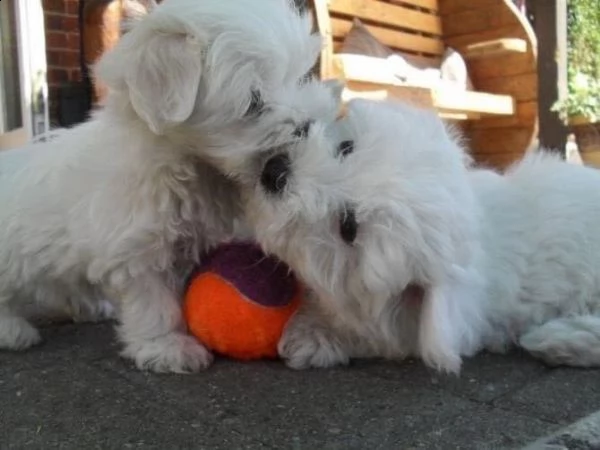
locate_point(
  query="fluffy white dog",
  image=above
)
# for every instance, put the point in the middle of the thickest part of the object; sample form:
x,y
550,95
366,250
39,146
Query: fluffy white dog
x,y
410,252
124,204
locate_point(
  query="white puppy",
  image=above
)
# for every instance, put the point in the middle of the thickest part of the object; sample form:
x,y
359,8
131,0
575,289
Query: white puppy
x,y
408,251
125,204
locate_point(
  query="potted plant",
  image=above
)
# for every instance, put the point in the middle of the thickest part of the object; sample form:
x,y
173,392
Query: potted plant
x,y
581,107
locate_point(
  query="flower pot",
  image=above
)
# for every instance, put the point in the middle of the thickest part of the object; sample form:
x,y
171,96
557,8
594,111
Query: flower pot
x,y
587,135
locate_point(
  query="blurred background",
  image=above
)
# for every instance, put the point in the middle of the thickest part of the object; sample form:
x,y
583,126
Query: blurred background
x,y
47,47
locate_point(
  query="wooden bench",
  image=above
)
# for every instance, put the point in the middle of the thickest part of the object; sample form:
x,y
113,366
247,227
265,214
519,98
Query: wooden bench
x,y
499,117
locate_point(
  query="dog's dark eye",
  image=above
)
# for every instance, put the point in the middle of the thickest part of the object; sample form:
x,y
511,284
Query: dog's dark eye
x,y
348,226
344,149
257,105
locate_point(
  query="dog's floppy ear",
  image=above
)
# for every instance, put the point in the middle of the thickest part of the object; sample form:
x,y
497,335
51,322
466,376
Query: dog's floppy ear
x,y
438,340
451,323
159,70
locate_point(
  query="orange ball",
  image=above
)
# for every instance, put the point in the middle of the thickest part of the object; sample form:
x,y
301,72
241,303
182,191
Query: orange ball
x,y
240,301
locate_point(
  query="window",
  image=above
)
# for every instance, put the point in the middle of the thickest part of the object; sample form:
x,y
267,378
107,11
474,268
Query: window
x,y
23,87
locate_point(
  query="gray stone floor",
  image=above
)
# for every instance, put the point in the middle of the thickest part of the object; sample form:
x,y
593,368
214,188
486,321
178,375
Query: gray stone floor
x,y
75,392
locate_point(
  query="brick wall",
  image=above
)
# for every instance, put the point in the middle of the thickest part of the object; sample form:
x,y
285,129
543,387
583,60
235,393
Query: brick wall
x,y
62,47
63,43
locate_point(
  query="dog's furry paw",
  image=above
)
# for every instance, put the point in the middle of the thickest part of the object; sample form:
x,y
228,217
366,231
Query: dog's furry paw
x,y
17,334
176,353
305,344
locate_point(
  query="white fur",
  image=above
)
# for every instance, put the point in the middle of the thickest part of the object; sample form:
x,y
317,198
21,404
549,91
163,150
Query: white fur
x,y
448,259
124,205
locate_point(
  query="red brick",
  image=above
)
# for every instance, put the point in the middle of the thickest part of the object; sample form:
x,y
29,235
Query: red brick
x,y
54,57
57,76
70,24
54,5
73,41
70,59
75,75
62,58
72,7
56,40
54,22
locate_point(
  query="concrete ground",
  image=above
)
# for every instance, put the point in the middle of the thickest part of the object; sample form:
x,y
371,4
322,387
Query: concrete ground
x,y
74,392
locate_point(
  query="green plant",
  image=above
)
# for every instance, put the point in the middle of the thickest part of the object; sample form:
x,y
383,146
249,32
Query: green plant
x,y
583,72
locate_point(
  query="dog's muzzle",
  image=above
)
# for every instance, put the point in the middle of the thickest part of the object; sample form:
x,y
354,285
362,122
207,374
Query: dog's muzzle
x,y
275,173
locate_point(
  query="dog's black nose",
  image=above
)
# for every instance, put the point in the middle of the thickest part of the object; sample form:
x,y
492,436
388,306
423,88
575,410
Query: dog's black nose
x,y
275,173
302,130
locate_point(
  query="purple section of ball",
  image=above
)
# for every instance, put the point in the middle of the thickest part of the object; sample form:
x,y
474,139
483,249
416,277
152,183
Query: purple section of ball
x,y
261,278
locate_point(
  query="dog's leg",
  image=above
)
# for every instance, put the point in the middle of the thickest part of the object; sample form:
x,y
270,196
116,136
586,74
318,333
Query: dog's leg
x,y
152,328
572,341
451,324
308,341
87,310
87,304
438,341
16,333
314,338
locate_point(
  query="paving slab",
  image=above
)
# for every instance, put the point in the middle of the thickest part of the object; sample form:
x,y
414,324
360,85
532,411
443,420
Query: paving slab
x,y
561,396
581,435
76,392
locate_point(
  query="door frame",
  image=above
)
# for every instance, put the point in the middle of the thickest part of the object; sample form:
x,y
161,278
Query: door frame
x,y
31,44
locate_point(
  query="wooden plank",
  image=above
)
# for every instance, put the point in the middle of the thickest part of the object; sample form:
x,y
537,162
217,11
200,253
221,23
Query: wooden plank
x,y
495,48
591,157
470,101
505,66
578,120
500,140
464,40
458,6
499,161
459,116
460,105
479,20
392,38
526,113
365,68
416,96
431,5
375,70
324,26
388,14
521,87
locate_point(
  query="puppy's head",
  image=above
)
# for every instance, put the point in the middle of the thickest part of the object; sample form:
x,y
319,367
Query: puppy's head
x,y
224,76
365,207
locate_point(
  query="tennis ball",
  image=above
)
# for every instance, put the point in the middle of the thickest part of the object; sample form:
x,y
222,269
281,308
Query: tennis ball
x,y
240,300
